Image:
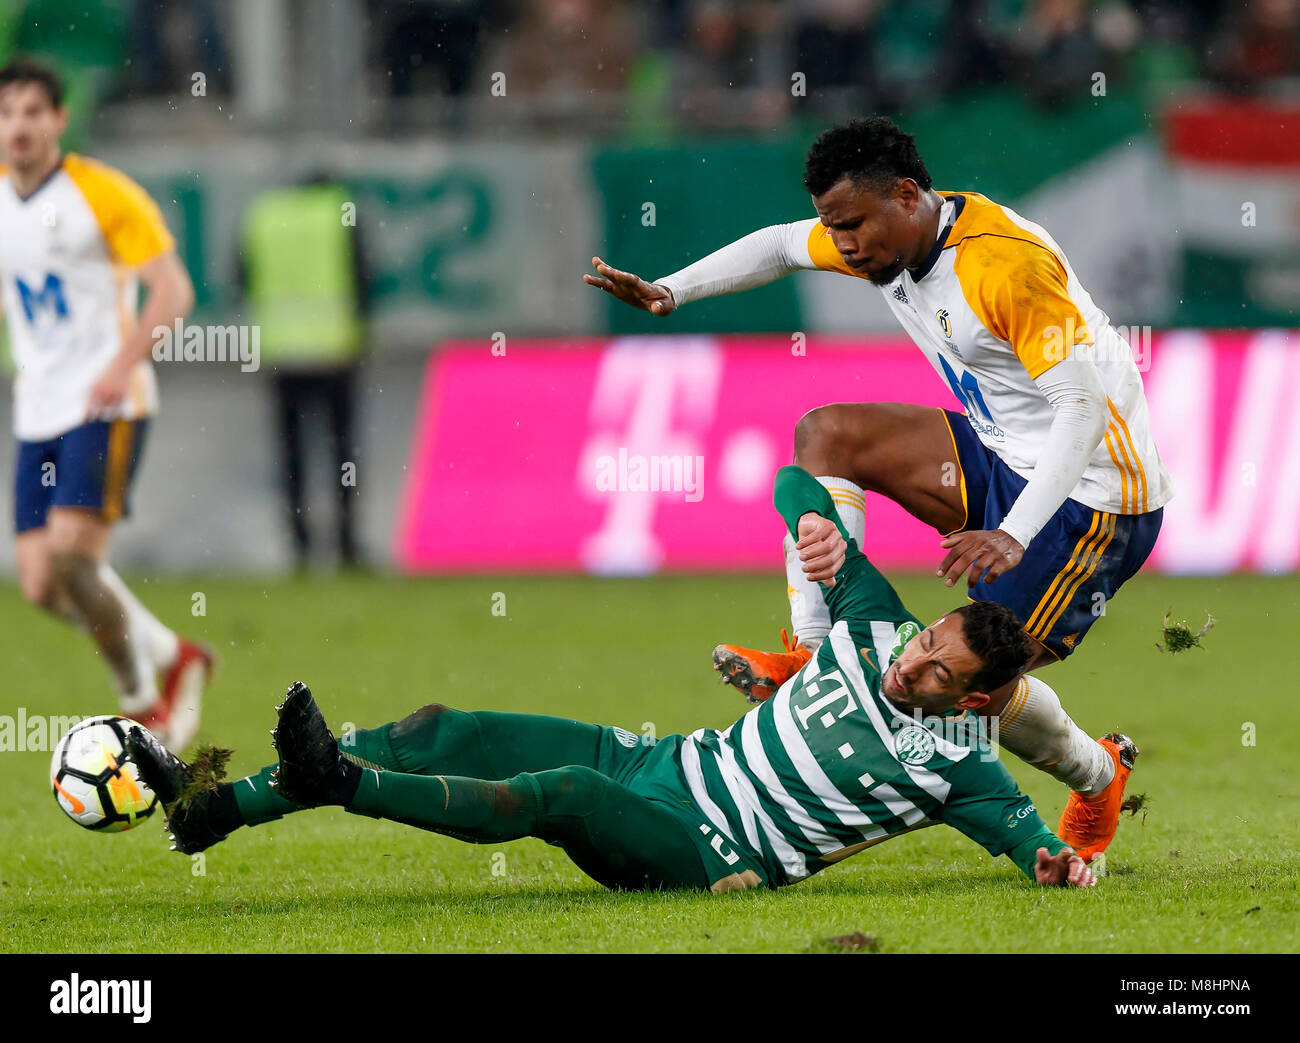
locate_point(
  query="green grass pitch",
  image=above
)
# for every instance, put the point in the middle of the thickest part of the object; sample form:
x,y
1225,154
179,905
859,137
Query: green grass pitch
x,y
1211,867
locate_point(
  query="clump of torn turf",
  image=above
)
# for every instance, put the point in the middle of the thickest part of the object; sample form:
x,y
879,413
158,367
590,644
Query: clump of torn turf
x,y
1179,637
206,770
1134,803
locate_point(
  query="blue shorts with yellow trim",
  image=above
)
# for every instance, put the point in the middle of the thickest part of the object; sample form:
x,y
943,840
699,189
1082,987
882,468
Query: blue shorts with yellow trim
x,y
90,467
1071,569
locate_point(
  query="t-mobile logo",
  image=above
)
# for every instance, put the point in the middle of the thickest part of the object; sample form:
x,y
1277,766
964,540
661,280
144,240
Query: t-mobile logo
x,y
653,403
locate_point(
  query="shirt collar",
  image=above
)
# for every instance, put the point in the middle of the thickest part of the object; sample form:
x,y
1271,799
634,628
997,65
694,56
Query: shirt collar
x,y
948,214
44,181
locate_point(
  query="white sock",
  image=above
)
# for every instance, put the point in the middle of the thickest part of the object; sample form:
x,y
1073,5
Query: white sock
x,y
1035,727
158,645
144,698
809,617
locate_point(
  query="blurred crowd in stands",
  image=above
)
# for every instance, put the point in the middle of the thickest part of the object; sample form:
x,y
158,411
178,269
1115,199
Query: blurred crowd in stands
x,y
701,64
691,57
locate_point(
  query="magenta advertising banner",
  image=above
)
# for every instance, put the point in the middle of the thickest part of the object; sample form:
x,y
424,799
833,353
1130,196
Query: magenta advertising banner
x,y
1224,416
640,454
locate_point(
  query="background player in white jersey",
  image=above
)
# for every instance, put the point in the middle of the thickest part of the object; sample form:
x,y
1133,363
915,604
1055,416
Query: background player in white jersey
x,y
1049,491
77,238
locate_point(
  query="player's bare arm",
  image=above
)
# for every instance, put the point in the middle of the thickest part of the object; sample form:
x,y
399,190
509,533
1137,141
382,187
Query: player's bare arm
x,y
169,295
631,289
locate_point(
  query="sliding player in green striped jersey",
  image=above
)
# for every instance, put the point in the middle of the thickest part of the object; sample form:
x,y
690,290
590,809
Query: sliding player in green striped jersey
x,y
872,739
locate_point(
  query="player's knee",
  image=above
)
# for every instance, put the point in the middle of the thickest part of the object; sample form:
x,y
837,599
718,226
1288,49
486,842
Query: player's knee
x,y
76,532
419,738
573,791
38,587
425,716
836,439
814,434
422,722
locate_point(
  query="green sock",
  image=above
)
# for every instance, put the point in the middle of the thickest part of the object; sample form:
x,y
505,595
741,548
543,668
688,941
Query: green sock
x,y
475,810
257,803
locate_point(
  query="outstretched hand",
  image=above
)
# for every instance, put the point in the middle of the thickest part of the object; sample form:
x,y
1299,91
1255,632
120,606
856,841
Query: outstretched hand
x,y
632,289
108,391
979,550
1064,869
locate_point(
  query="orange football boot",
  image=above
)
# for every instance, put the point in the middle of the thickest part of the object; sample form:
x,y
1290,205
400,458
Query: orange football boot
x,y
1088,824
760,674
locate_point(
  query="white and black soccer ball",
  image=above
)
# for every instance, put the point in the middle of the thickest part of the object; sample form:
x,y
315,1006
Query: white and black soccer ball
x,y
95,781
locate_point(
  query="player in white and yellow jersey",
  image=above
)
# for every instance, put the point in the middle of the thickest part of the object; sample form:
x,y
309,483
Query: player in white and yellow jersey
x,y
77,238
1049,491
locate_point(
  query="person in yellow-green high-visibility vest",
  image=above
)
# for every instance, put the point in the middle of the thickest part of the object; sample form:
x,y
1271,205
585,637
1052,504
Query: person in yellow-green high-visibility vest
x,y
305,287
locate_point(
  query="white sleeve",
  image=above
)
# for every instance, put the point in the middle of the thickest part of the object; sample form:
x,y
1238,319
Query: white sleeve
x,y
1074,389
750,261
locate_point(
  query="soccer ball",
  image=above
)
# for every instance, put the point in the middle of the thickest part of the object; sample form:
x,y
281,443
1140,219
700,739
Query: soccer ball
x,y
94,779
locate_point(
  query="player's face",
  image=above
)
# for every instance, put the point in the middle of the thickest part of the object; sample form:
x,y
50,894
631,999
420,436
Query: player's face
x,y
29,125
934,671
877,235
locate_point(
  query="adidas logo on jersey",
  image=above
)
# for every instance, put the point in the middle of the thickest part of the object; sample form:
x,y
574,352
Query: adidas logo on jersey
x,y
900,294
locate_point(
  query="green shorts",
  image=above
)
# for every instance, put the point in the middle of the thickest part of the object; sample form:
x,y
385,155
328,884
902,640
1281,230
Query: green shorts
x,y
652,768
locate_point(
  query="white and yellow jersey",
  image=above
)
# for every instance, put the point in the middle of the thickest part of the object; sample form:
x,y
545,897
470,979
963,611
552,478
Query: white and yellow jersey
x,y
68,255
997,305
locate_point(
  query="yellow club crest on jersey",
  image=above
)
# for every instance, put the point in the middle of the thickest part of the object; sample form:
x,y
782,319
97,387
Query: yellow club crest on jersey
x,y
944,324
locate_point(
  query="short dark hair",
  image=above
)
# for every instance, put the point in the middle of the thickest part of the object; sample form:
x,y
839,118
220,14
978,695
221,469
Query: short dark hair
x,y
27,70
998,639
871,151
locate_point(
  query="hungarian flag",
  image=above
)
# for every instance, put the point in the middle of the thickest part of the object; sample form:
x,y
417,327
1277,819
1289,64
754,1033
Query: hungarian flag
x,y
1236,186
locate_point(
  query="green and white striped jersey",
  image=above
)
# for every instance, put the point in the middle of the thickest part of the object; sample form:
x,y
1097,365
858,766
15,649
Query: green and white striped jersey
x,y
829,766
